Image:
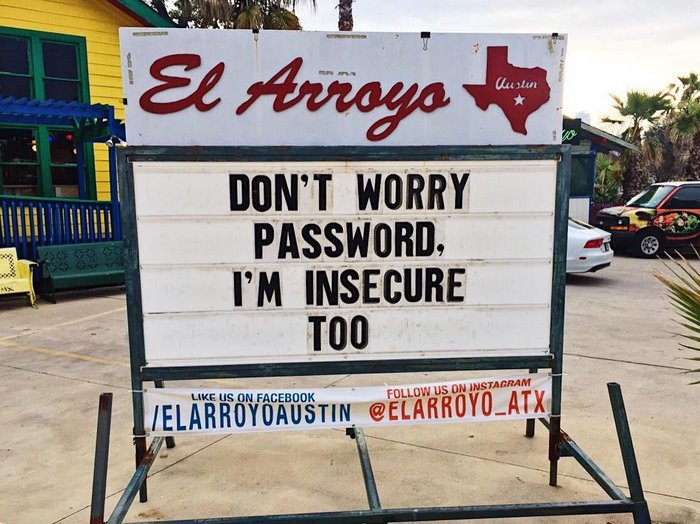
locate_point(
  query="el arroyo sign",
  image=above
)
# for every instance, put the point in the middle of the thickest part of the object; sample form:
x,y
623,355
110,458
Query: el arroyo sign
x,y
262,259
210,87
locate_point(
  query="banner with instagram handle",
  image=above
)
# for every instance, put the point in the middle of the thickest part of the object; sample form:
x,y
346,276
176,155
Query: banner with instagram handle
x,y
219,411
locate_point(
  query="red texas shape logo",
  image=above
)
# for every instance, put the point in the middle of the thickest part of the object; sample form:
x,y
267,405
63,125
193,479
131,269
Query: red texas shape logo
x,y
518,91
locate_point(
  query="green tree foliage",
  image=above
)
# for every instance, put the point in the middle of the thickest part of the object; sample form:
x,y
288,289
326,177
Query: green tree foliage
x,y
688,88
666,128
663,167
233,14
636,111
686,132
608,179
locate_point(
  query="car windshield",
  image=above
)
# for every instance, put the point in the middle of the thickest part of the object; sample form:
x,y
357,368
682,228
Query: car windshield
x,y
650,197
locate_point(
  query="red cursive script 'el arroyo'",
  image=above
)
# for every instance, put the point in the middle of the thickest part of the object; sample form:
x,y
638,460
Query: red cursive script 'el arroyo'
x,y
288,93
401,100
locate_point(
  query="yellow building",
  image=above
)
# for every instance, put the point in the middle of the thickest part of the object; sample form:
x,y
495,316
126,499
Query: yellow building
x,y
62,50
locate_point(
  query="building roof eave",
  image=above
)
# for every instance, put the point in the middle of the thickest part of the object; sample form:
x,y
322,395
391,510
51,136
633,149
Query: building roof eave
x,y
609,140
142,12
88,119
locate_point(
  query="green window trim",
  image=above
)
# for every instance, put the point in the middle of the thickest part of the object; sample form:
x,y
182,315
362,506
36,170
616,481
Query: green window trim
x,y
37,74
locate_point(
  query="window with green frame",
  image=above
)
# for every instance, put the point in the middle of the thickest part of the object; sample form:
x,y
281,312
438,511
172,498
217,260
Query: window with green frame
x,y
42,160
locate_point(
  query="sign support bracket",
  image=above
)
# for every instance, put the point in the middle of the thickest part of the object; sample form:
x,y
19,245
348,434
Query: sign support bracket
x,y
619,503
367,474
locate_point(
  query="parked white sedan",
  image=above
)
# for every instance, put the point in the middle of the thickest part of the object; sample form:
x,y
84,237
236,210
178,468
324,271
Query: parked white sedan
x,y
588,248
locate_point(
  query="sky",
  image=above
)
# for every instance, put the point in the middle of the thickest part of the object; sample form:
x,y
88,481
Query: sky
x,y
614,46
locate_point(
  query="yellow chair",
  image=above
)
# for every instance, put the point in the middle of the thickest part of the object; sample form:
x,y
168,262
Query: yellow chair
x,y
16,275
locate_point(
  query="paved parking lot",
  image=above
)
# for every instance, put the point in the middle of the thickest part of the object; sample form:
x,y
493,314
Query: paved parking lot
x,y
55,361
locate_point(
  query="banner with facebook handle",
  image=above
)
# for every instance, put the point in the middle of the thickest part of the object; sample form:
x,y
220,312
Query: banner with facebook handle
x,y
220,411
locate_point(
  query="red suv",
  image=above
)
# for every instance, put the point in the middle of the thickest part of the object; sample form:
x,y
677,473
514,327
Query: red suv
x,y
662,216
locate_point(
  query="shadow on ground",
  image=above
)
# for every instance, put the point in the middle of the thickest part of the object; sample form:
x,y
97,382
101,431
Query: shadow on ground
x,y
20,301
589,280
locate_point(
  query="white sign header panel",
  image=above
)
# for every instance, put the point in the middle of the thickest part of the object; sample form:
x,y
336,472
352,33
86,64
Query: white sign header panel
x,y
255,262
230,87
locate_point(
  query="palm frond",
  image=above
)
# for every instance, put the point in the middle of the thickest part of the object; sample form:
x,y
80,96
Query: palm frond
x,y
216,13
609,120
281,18
250,18
682,281
690,337
687,121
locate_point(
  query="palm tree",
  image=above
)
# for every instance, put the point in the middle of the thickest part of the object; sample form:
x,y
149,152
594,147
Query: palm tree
x,y
660,134
639,109
690,86
685,128
230,14
345,15
687,133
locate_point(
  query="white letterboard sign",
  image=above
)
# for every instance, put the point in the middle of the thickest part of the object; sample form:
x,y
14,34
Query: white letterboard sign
x,y
213,87
262,262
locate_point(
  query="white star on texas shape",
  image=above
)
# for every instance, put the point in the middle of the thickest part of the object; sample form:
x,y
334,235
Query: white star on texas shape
x,y
519,100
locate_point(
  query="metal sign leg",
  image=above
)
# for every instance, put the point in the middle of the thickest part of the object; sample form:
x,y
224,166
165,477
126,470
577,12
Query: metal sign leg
x,y
137,481
530,423
555,426
641,511
169,441
556,336
99,476
554,438
140,444
367,474
139,430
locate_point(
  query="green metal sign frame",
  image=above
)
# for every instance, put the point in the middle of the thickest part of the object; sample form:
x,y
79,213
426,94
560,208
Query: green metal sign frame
x,y
559,443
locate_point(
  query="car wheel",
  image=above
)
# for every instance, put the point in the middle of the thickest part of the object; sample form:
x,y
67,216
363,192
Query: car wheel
x,y
648,244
